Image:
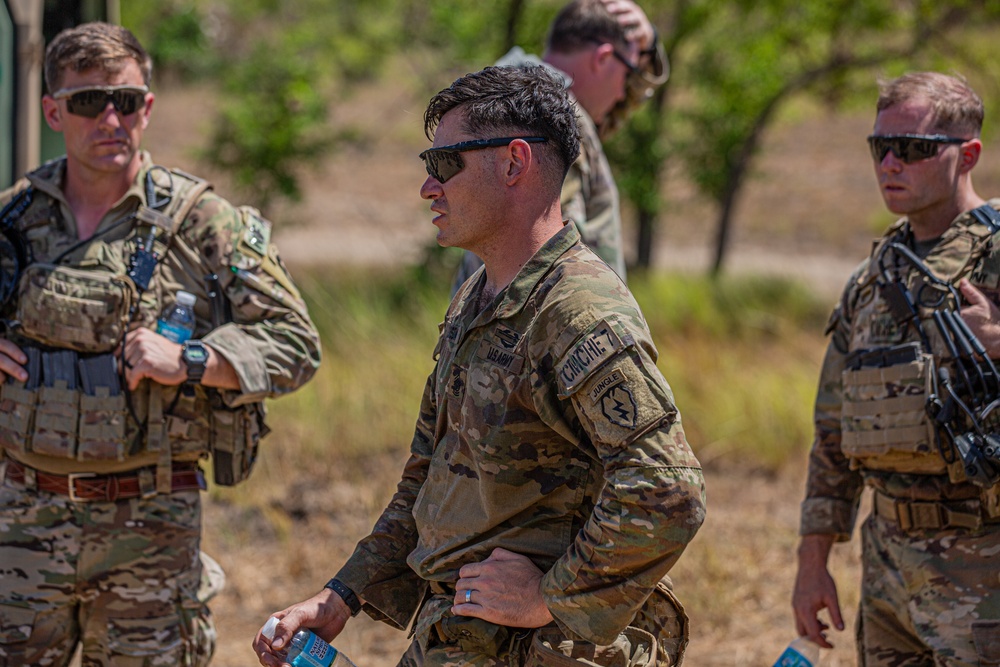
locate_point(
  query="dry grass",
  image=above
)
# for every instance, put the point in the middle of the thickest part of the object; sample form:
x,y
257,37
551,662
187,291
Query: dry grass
x,y
326,473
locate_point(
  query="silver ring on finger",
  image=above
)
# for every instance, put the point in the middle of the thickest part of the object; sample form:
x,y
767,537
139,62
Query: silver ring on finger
x,y
468,596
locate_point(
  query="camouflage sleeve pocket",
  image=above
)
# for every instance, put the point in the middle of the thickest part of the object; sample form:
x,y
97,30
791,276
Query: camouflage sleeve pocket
x,y
616,405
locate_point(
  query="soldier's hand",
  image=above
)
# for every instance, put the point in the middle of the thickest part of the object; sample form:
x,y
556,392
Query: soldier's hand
x,y
982,316
506,589
150,355
325,613
631,17
12,361
815,590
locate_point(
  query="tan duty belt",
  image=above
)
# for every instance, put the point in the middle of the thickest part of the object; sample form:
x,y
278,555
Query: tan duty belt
x,y
928,514
84,487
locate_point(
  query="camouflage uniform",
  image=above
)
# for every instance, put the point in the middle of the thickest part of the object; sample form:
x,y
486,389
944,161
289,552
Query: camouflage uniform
x,y
545,429
589,194
930,591
122,576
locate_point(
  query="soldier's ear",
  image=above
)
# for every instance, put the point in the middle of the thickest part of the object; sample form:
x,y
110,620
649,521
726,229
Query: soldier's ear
x,y
50,110
518,159
969,156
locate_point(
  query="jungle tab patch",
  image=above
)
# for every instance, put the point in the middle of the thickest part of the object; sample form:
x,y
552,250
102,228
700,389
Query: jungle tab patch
x,y
618,405
592,350
605,383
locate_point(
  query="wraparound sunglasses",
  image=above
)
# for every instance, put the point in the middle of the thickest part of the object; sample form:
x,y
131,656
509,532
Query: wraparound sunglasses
x,y
90,101
909,148
444,162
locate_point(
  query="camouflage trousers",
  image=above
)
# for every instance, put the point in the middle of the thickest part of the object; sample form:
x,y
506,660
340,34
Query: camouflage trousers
x,y
929,598
453,641
120,578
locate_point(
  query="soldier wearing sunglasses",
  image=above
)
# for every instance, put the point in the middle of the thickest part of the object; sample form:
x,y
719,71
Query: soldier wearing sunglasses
x,y
930,592
550,487
609,56
104,421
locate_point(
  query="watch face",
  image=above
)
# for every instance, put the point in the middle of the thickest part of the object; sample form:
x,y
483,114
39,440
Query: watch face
x,y
195,353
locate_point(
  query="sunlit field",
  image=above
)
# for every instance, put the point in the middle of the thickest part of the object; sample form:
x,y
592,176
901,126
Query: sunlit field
x,y
740,355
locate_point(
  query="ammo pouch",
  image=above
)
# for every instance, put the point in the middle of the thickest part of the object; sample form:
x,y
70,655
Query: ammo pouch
x,y
235,435
884,420
77,309
71,407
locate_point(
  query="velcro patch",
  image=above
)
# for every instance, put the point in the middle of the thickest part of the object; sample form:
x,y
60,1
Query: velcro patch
x,y
592,350
618,405
498,355
605,383
257,233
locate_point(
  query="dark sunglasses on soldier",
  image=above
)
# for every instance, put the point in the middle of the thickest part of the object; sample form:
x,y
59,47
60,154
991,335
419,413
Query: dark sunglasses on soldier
x,y
444,162
909,148
90,101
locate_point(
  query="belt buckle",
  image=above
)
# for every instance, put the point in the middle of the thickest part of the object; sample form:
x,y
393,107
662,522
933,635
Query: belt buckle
x,y
71,479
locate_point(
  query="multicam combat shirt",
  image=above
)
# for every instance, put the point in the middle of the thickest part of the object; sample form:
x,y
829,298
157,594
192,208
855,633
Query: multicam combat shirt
x,y
271,343
545,429
860,321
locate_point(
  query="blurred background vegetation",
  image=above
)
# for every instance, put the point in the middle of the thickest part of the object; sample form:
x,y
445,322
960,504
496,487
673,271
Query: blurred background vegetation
x,y
736,64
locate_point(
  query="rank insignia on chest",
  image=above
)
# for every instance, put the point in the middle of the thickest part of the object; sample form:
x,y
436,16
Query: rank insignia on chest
x,y
456,384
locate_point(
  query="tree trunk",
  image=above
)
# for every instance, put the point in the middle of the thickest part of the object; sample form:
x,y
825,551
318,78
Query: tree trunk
x,y
514,11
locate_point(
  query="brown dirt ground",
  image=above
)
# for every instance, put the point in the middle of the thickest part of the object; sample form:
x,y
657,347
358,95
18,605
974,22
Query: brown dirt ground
x,y
808,212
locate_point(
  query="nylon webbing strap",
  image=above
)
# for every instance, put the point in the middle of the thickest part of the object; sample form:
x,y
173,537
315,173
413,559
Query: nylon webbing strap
x,y
988,216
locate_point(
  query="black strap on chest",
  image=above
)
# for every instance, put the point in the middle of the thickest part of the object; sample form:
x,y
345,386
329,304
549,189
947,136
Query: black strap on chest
x,y
988,216
13,247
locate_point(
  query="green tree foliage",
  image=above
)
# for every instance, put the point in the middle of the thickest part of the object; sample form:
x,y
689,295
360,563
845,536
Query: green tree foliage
x,y
751,57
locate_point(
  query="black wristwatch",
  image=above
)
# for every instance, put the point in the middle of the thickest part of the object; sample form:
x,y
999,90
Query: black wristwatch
x,y
195,355
346,594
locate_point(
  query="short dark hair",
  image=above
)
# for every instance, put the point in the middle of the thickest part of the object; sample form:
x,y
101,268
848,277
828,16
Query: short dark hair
x,y
581,24
94,45
526,100
955,105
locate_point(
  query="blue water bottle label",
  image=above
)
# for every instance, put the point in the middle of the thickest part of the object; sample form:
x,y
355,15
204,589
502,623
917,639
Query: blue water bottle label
x,y
792,658
316,653
172,331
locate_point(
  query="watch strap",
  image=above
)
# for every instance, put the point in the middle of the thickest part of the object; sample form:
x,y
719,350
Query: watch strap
x,y
346,594
195,371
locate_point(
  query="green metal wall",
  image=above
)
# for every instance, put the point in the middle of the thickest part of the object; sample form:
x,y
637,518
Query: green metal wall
x,y
6,96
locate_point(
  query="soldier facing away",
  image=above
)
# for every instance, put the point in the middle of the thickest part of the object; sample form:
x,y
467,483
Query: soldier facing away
x,y
103,421
929,592
550,487
609,56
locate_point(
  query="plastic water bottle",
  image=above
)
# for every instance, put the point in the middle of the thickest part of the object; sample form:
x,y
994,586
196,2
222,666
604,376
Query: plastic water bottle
x,y
177,322
306,649
800,653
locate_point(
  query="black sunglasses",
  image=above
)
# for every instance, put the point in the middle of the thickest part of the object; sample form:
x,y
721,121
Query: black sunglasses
x,y
90,101
445,161
909,148
632,68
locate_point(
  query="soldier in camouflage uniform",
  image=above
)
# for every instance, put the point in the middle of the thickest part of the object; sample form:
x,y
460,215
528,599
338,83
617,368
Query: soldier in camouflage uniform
x,y
103,422
609,56
550,487
930,593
